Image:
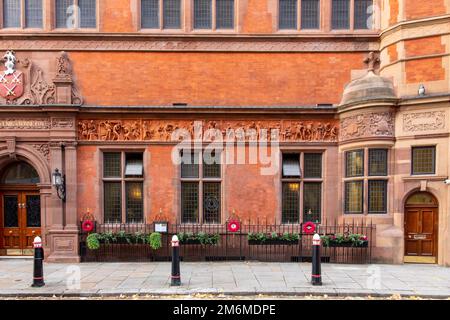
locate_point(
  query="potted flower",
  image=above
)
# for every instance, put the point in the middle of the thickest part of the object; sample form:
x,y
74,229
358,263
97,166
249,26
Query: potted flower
x,y
203,238
355,240
273,238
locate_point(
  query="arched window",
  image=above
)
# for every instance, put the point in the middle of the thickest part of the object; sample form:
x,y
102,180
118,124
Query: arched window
x,y
421,198
20,173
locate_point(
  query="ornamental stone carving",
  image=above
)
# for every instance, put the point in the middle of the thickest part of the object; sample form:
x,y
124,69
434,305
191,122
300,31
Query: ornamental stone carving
x,y
213,130
368,125
34,87
43,149
424,121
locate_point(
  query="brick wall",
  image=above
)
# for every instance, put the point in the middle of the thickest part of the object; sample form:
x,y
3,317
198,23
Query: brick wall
x,y
421,9
422,70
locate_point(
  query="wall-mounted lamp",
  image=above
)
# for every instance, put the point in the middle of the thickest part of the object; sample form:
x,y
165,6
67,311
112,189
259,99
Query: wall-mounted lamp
x,y
59,182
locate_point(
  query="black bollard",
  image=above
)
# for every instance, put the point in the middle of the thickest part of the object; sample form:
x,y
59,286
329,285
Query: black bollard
x,y
316,277
38,272
175,277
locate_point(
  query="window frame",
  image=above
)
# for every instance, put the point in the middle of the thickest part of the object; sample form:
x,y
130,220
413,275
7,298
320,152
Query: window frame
x,y
363,163
23,22
201,180
160,27
299,18
351,21
434,147
365,180
79,28
301,181
385,209
123,181
213,18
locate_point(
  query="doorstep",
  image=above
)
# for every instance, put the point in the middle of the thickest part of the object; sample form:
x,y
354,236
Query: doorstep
x,y
416,259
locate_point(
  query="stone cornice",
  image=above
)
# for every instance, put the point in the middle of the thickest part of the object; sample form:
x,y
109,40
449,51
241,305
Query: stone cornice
x,y
413,24
146,43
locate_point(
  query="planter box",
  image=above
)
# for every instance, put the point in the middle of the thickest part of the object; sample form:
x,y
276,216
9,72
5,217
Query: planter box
x,y
365,244
272,242
194,241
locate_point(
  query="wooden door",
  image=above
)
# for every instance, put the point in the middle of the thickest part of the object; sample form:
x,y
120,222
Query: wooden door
x,y
20,221
421,232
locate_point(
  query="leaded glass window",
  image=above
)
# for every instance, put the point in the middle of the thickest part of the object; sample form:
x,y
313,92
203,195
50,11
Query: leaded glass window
x,y
33,13
62,13
11,13
377,162
201,198
202,14
340,14
377,196
88,13
287,14
354,163
294,185
172,14
150,14
123,177
354,197
71,14
363,14
224,14
310,15
424,160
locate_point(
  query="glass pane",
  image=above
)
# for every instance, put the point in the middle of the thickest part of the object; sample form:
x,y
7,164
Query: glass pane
x,y
421,198
189,165
88,13
134,202
340,14
363,14
377,162
202,14
290,202
224,14
291,166
150,13
211,165
312,201
189,202
423,160
112,165
288,14
33,13
134,165
61,13
113,202
354,163
310,14
10,211
172,14
211,202
354,197
20,173
313,165
33,203
11,13
377,196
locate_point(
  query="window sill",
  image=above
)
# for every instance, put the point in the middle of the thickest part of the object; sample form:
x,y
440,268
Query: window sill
x,y
424,177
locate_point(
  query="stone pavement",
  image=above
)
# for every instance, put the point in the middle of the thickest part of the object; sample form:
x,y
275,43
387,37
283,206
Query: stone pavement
x,y
233,278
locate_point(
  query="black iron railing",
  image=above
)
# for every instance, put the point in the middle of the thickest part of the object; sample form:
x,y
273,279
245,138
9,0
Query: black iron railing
x,y
230,245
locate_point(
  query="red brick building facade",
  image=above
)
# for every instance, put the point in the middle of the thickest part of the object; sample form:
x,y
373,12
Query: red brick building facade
x,y
354,96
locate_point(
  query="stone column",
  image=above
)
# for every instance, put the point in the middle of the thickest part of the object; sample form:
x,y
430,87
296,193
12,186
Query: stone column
x,y
71,187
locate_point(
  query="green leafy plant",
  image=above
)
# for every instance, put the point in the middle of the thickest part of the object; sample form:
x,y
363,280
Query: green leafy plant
x,y
139,237
92,241
200,237
262,237
154,239
353,239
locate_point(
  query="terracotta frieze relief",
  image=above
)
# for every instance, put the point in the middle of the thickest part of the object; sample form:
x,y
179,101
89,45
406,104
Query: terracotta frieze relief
x,y
41,123
174,130
43,149
376,124
26,84
191,45
424,121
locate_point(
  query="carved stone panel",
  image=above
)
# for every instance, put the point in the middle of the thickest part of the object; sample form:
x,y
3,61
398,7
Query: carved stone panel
x,y
424,121
368,125
212,130
25,123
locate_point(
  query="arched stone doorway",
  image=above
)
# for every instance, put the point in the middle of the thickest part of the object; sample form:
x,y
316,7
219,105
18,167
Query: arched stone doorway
x,y
421,228
20,208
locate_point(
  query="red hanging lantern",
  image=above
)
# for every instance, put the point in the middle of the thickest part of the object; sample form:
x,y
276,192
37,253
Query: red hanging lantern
x,y
233,226
309,227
